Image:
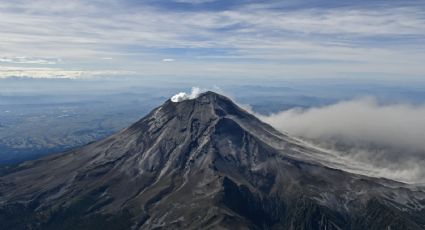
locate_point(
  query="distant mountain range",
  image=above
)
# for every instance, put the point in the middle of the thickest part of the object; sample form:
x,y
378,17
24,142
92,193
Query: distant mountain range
x,y
202,163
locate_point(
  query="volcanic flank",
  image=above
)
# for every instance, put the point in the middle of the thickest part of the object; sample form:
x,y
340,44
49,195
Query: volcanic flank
x,y
201,163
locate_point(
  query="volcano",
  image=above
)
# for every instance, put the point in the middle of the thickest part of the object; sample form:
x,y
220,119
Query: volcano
x,y
201,163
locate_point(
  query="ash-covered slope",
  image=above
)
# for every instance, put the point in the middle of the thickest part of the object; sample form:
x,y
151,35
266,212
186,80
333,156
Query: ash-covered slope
x,y
201,164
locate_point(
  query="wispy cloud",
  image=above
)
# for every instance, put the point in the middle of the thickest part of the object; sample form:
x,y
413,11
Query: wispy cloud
x,y
168,60
32,72
264,36
30,60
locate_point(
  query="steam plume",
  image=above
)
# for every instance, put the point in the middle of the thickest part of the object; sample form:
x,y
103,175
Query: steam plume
x,y
184,96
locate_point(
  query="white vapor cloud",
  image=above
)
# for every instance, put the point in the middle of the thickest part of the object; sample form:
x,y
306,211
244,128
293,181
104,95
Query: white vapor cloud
x,y
57,73
196,91
357,120
390,138
168,60
30,60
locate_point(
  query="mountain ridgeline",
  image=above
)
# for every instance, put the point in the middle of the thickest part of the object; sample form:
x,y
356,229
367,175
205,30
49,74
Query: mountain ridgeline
x,y
202,163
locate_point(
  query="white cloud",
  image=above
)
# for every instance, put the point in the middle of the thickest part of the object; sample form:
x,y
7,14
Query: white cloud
x,y
30,72
168,60
182,96
30,60
267,41
388,138
358,120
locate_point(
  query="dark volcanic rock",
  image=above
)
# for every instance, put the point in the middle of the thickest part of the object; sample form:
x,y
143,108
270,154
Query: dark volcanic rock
x,y
200,164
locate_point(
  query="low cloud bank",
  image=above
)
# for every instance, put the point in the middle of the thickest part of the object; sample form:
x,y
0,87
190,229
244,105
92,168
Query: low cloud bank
x,y
30,60
390,137
184,96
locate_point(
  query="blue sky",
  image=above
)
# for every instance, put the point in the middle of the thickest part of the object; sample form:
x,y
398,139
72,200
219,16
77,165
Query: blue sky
x,y
244,38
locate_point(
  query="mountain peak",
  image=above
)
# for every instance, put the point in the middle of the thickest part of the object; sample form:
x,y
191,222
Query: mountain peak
x,y
182,96
207,105
200,163
203,98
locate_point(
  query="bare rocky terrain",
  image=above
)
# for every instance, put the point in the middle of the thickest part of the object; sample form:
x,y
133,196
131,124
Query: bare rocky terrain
x,y
203,163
